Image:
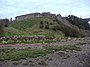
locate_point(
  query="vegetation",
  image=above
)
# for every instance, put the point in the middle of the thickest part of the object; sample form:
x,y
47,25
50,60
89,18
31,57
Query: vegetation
x,y
25,40
81,23
14,54
41,26
1,29
63,48
69,32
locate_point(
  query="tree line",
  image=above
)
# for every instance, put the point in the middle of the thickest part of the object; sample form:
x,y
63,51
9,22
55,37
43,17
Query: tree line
x,y
81,23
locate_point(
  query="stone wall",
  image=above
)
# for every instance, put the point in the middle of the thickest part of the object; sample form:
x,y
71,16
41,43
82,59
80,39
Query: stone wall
x,y
27,16
33,15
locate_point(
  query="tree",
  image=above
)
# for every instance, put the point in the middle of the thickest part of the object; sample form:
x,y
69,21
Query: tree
x,y
81,23
6,22
1,28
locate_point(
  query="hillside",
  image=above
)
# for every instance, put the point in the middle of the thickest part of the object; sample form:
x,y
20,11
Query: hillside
x,y
33,27
47,24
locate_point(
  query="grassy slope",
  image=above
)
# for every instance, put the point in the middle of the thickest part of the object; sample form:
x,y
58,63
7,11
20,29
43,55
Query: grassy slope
x,y
31,27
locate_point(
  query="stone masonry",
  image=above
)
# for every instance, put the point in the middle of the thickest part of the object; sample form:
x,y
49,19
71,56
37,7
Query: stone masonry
x,y
34,15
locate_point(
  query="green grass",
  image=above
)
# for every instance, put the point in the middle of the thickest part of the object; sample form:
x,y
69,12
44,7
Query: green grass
x,y
63,48
10,31
31,27
21,54
21,25
14,54
27,41
30,23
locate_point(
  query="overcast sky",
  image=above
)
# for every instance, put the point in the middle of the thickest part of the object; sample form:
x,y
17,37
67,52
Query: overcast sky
x,y
12,8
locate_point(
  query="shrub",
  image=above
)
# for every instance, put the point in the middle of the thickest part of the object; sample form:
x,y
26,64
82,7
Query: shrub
x,y
56,27
41,24
46,26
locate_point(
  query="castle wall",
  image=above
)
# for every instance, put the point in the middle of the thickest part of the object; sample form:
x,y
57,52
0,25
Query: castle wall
x,y
28,16
33,15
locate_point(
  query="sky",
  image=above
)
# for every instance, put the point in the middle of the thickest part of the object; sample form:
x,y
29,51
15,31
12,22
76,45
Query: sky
x,y
13,8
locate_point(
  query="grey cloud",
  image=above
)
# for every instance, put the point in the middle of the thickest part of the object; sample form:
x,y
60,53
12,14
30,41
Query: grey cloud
x,y
12,8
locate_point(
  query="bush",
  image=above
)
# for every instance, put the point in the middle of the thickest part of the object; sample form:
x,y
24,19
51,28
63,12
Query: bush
x,y
41,24
47,22
69,32
46,26
56,27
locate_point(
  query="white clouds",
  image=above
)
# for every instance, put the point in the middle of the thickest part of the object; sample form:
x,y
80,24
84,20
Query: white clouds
x,y
12,8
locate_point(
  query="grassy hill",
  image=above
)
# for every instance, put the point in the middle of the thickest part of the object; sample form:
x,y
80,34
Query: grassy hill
x,y
42,26
46,26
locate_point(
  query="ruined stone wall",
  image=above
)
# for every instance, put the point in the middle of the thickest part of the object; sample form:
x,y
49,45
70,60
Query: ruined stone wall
x,y
27,16
33,15
48,14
